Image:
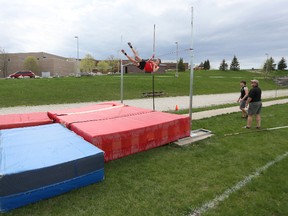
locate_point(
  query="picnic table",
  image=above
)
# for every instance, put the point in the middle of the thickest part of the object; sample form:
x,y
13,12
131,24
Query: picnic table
x,y
150,94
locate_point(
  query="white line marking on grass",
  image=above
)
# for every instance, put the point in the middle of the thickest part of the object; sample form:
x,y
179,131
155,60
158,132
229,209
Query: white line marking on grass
x,y
213,203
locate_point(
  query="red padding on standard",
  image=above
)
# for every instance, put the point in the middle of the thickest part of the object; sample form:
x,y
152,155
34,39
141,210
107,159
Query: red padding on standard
x,y
125,130
24,120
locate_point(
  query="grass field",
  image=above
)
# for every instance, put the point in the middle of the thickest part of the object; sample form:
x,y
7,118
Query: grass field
x,y
16,92
170,180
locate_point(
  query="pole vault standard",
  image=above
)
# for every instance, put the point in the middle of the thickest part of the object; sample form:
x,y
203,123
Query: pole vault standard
x,y
191,71
153,89
122,75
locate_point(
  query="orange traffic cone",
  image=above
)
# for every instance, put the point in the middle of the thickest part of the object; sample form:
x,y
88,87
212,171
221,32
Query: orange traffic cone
x,y
176,108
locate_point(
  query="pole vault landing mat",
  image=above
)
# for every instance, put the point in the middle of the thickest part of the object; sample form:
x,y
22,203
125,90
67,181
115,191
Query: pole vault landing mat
x,y
44,161
121,130
24,120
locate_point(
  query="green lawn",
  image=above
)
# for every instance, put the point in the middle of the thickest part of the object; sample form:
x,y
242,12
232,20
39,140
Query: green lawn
x,y
170,180
16,92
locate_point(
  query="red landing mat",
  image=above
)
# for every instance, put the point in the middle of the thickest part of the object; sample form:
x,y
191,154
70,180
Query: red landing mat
x,y
121,130
24,120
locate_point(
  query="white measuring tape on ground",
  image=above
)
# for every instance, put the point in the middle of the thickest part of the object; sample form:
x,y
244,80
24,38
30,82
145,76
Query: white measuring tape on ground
x,y
213,203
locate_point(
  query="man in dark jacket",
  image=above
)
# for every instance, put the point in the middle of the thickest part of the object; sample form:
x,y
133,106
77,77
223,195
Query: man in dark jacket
x,y
255,104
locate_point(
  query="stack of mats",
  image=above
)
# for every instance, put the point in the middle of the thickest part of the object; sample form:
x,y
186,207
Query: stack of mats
x,y
44,161
24,120
39,159
123,130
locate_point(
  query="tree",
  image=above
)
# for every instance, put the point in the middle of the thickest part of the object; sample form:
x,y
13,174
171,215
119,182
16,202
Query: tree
x,y
103,66
269,64
30,63
3,63
113,63
223,65
268,67
181,66
87,64
207,65
282,64
235,66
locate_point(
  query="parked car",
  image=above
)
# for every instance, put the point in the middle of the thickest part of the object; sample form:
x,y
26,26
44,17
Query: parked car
x,y
22,74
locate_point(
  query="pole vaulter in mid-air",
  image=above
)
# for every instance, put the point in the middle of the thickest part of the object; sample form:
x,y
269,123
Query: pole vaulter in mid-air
x,y
148,65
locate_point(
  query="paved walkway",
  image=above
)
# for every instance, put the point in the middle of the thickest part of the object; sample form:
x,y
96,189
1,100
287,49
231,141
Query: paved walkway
x,y
166,103
215,112
169,103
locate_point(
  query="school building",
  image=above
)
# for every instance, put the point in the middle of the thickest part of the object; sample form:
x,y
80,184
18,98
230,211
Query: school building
x,y
56,65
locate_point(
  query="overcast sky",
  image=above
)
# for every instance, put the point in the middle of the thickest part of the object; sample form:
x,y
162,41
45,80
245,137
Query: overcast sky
x,y
221,28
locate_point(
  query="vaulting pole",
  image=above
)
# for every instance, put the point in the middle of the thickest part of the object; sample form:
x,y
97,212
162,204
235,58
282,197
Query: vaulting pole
x,y
191,71
258,130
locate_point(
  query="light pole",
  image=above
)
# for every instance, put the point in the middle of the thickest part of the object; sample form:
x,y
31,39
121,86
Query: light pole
x,y
266,64
176,59
77,60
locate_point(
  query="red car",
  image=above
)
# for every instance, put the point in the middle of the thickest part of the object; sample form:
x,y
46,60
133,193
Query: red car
x,y
22,74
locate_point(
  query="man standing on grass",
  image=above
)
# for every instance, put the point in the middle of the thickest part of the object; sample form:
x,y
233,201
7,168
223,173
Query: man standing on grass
x,y
255,104
243,98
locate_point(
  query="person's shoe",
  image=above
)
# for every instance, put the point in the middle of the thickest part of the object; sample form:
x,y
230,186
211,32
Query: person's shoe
x,y
246,127
123,51
130,45
258,128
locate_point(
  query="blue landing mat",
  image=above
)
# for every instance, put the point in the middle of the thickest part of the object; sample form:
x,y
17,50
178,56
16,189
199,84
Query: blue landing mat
x,y
44,161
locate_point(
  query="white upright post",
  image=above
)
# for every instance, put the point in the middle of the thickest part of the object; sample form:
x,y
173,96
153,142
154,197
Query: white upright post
x,y
122,74
153,88
191,71
176,74
77,60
